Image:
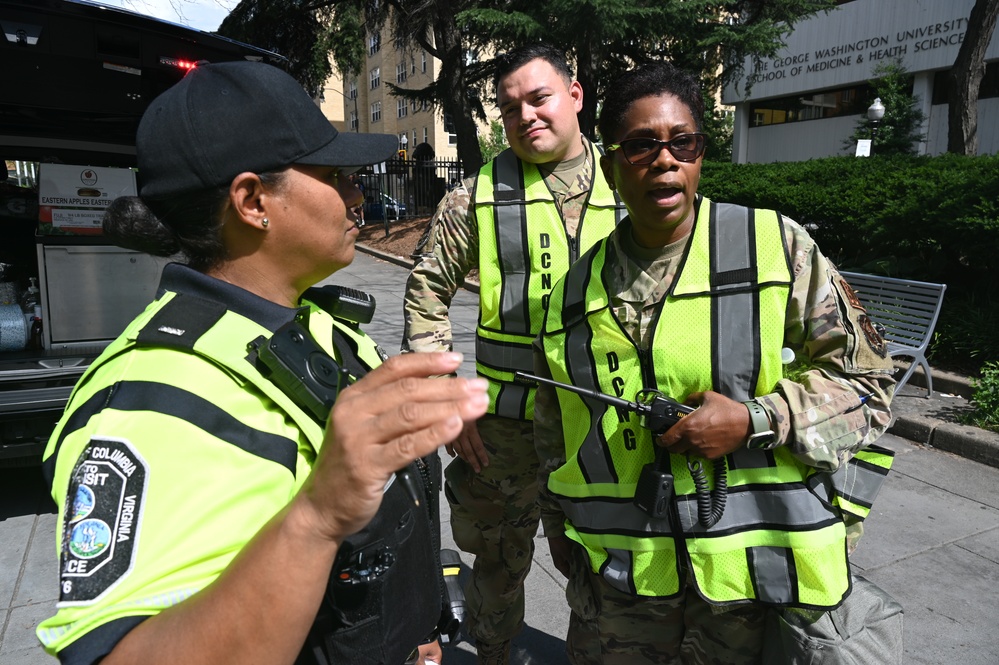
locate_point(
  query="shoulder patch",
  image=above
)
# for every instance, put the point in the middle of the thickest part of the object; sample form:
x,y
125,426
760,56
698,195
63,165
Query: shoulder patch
x,y
102,520
850,295
873,337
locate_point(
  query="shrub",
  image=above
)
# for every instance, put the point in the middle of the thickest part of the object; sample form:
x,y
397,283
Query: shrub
x,y
933,219
985,399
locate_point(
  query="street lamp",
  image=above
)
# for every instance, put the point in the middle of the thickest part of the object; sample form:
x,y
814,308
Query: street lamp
x,y
875,112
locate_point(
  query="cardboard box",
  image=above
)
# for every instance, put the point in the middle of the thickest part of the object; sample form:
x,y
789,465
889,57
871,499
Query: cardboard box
x,y
72,199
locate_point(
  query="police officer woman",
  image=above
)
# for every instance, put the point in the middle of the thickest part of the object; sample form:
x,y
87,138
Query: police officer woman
x,y
204,498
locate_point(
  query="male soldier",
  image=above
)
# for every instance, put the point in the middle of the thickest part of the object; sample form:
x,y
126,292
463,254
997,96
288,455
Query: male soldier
x,y
521,221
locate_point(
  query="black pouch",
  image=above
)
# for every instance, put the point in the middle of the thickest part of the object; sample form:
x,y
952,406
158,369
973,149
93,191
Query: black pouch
x,y
384,594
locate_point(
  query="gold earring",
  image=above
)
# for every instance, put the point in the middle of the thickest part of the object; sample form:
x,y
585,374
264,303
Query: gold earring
x,y
265,222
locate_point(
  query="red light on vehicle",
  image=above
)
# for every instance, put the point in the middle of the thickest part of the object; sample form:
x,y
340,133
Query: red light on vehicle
x,y
186,65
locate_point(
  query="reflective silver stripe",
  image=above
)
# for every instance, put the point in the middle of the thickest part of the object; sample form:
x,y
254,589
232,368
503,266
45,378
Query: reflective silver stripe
x,y
789,507
773,574
593,456
505,356
510,218
857,481
511,402
735,315
617,570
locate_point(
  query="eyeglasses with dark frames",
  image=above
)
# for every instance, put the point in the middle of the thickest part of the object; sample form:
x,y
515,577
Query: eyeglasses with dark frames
x,y
643,151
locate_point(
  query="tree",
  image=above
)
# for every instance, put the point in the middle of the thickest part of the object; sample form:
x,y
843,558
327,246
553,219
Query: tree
x,y
604,38
307,32
494,143
965,79
899,130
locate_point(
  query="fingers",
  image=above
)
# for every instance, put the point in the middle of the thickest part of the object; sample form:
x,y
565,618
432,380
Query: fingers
x,y
469,447
389,418
716,428
416,365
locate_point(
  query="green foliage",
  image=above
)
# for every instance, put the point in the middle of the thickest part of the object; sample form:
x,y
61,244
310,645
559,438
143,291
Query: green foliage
x,y
301,31
985,399
899,131
604,38
494,143
933,219
968,330
718,126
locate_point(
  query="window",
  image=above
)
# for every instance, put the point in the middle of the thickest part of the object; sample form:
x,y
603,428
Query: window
x,y
353,120
412,62
400,72
401,108
452,138
376,112
414,106
352,89
426,135
819,105
376,77
374,43
989,88
424,64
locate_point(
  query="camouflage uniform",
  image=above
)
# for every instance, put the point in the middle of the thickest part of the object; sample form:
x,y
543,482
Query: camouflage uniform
x,y
493,513
836,357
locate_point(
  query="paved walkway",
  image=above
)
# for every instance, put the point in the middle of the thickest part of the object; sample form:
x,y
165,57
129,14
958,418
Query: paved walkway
x,y
932,539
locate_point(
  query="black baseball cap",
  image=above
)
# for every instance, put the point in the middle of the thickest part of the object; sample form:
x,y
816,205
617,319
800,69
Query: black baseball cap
x,y
226,118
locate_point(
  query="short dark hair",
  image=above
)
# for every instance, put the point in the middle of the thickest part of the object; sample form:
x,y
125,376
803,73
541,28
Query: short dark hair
x,y
649,80
520,56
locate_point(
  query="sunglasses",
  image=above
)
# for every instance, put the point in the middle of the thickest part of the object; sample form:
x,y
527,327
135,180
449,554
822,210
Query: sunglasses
x,y
644,151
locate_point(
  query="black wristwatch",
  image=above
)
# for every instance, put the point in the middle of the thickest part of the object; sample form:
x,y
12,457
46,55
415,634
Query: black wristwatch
x,y
762,437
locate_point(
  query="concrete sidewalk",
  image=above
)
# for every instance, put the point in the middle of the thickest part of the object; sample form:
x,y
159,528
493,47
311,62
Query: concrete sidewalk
x,y
932,540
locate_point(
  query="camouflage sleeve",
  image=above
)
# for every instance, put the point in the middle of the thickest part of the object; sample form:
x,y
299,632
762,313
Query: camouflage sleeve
x,y
835,397
448,250
550,444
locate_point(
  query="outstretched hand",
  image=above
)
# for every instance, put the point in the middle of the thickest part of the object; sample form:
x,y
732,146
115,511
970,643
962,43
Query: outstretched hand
x,y
389,418
717,427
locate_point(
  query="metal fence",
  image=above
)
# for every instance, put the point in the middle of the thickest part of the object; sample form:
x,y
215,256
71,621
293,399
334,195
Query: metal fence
x,y
405,188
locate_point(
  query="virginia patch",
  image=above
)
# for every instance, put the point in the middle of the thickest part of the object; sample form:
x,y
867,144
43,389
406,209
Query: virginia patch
x,y
102,519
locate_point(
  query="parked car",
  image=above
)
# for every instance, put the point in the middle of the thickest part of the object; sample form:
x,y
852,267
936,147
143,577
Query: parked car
x,y
381,205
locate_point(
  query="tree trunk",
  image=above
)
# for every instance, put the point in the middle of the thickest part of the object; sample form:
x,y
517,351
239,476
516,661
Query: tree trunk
x,y
454,93
965,79
587,76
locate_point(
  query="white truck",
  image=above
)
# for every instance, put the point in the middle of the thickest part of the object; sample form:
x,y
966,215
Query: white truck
x,y
76,79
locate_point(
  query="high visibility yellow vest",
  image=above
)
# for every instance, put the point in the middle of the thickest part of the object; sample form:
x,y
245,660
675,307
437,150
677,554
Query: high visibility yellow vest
x,y
183,364
780,540
523,250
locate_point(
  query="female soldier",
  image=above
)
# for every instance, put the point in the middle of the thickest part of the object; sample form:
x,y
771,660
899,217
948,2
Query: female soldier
x,y
701,301
203,504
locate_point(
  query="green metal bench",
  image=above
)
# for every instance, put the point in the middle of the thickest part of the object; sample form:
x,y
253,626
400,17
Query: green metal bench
x,y
907,312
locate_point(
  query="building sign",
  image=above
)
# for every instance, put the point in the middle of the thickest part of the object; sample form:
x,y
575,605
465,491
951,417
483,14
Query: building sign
x,y
844,46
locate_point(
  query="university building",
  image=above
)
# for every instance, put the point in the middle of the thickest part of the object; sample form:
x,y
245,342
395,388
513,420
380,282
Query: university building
x,y
805,102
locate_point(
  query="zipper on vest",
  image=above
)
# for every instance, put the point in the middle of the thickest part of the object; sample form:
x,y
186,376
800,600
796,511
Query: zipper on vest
x,y
573,248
